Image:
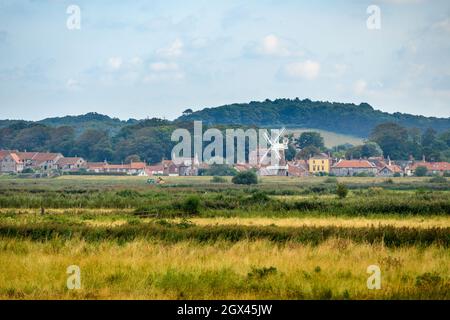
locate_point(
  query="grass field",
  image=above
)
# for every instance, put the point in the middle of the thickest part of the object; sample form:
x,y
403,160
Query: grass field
x,y
285,238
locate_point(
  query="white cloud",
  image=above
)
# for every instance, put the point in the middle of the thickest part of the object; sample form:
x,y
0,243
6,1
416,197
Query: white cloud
x,y
163,66
173,51
308,70
443,25
73,85
360,87
136,61
115,63
272,45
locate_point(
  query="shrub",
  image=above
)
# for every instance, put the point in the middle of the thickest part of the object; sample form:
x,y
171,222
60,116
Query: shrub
x,y
261,273
389,181
331,179
438,179
447,174
217,179
259,197
397,175
191,205
28,170
341,190
428,280
421,171
247,177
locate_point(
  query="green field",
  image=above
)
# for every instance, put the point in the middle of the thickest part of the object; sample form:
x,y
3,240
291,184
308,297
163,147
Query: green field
x,y
285,238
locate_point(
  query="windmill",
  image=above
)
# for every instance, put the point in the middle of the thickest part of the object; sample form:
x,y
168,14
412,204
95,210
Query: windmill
x,y
275,146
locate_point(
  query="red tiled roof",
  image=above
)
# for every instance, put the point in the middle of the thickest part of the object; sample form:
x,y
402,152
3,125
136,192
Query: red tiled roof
x,y
354,164
38,156
393,168
15,157
3,153
432,166
26,155
96,165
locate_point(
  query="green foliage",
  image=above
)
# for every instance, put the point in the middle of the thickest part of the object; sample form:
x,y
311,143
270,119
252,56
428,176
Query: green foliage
x,y
218,170
421,171
246,177
341,190
357,120
308,139
388,235
262,273
438,179
191,205
217,179
428,280
391,138
28,170
368,149
307,152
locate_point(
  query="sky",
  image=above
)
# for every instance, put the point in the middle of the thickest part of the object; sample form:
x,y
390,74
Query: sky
x,y
139,59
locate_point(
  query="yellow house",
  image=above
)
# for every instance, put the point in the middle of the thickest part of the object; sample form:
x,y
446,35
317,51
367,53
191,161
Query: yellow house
x,y
319,163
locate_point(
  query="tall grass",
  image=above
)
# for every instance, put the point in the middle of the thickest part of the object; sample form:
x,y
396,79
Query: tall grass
x,y
335,269
173,232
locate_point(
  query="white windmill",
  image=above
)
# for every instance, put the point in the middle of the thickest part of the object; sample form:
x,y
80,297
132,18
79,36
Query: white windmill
x,y
275,147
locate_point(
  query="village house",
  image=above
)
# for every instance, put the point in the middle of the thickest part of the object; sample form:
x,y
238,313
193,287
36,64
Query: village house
x,y
433,168
133,168
43,161
353,167
10,162
319,164
298,168
70,164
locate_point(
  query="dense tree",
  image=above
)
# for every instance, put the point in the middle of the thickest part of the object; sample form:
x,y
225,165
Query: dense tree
x,y
358,120
291,152
132,158
218,170
308,152
432,145
368,149
391,137
421,171
245,177
308,139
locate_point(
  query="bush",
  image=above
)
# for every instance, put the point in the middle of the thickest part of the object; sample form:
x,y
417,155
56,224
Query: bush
x,y
341,190
397,175
28,170
246,177
438,179
421,171
447,174
191,205
261,273
217,179
331,179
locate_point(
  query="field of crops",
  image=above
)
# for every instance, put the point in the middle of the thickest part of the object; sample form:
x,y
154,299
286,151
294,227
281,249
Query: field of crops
x,y
285,238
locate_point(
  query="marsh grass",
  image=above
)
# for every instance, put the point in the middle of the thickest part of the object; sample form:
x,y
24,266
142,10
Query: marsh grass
x,y
223,270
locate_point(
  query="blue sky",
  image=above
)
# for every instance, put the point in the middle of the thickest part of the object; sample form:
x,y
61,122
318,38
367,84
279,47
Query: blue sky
x,y
137,59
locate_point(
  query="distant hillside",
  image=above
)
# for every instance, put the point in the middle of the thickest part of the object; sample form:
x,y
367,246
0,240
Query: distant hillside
x,y
345,118
89,121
